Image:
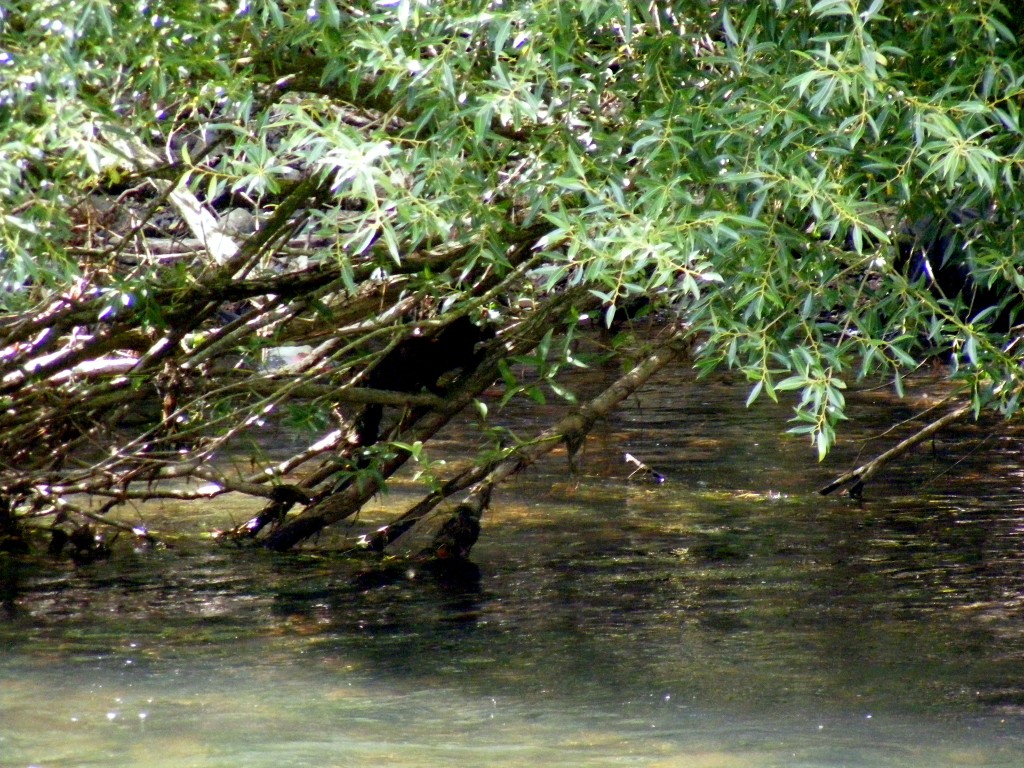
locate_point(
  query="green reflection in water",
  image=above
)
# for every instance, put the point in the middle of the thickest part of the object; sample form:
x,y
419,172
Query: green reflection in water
x,y
722,619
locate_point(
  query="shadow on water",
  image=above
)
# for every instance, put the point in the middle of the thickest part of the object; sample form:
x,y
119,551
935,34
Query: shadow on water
x,y
729,617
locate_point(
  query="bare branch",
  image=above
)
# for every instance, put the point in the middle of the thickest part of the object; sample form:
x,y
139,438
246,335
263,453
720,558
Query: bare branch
x,y
859,476
573,427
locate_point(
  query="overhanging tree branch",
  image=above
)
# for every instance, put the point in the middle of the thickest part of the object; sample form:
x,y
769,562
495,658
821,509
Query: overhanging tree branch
x,y
340,505
858,477
570,430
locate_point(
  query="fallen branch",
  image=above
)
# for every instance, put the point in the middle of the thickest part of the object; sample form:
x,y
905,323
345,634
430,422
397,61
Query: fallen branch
x,y
859,476
344,502
570,430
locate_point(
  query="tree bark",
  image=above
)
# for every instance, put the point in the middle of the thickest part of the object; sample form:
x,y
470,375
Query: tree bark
x,y
570,430
340,505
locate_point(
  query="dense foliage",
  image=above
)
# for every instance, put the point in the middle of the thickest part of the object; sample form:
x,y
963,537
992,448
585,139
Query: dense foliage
x,y
819,191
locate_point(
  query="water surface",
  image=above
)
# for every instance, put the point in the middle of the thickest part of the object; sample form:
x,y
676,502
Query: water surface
x,y
729,617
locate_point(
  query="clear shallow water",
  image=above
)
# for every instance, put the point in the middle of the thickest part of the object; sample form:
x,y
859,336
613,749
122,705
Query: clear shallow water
x,y
729,617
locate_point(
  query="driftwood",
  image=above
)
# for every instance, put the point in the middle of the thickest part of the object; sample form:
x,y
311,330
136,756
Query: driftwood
x,y
859,476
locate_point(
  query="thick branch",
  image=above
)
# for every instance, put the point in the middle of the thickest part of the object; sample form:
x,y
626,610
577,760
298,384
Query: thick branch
x,y
571,429
341,505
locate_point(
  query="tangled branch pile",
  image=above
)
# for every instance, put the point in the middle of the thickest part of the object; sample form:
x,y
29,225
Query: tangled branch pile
x,y
351,218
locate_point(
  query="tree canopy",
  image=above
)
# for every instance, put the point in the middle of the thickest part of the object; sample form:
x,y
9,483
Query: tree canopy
x,y
217,216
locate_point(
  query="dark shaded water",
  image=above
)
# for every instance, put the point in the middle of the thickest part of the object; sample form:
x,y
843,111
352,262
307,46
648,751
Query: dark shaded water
x,y
730,617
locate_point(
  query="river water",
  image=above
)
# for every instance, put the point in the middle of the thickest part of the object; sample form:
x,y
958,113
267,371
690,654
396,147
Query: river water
x,y
727,618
